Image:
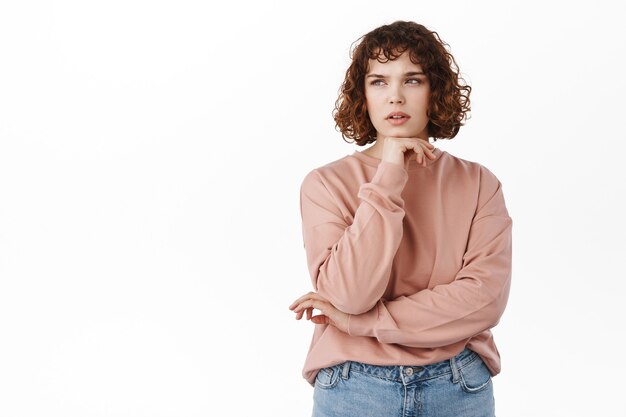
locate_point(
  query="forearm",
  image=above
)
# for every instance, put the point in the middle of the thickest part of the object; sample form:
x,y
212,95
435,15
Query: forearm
x,y
350,264
473,302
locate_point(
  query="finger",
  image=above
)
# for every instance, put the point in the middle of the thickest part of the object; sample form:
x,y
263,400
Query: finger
x,y
423,156
307,304
427,152
320,319
309,313
307,310
309,296
313,297
299,300
299,314
427,143
418,154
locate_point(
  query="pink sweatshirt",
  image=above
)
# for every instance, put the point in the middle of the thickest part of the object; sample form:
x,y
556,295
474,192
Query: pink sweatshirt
x,y
420,256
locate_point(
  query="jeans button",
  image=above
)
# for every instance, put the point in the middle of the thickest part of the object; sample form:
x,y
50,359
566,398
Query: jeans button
x,y
409,371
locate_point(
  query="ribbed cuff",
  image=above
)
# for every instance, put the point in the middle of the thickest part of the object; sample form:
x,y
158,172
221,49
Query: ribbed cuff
x,y
390,175
363,324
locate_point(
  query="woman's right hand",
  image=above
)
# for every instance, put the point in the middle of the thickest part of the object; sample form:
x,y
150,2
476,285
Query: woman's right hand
x,y
401,150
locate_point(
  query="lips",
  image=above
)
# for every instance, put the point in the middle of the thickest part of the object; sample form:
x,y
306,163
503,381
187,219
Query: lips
x,y
397,118
397,115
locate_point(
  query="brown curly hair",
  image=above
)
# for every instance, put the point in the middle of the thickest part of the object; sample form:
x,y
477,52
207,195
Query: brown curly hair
x,y
449,102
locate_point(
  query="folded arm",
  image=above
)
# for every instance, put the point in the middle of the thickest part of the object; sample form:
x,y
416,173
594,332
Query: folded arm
x,y
473,302
350,261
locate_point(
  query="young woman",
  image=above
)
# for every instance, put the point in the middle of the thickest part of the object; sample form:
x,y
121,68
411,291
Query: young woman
x,y
408,246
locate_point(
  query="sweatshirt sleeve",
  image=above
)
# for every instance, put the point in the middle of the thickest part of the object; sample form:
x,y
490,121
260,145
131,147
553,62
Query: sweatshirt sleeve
x,y
350,261
472,303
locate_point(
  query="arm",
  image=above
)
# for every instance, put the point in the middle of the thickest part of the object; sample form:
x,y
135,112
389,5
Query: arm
x,y
470,304
350,263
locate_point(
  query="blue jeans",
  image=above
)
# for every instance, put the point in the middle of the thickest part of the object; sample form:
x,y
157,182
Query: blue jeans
x,y
458,387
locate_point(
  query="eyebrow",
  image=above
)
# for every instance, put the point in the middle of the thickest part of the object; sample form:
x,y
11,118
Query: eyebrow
x,y
406,74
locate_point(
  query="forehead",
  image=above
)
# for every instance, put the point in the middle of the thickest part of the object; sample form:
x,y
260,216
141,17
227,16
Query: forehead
x,y
403,63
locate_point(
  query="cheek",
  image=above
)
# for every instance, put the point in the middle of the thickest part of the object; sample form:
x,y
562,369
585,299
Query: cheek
x,y
371,101
423,100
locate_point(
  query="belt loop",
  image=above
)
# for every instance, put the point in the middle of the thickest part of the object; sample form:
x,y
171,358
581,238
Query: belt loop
x,y
455,370
345,373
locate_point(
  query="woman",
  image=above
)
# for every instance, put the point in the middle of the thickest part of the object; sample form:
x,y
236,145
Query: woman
x,y
408,246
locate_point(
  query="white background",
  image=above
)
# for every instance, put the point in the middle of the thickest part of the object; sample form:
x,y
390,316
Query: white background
x,y
151,155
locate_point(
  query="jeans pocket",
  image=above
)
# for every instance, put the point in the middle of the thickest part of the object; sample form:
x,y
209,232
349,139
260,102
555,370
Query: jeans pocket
x,y
475,376
327,378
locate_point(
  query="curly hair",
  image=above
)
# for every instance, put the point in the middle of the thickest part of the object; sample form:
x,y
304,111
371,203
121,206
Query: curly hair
x,y
449,102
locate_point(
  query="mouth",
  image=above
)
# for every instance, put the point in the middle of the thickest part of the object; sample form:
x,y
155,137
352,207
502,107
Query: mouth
x,y
397,117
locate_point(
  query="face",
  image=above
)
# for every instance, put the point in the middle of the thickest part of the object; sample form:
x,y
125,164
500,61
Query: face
x,y
397,94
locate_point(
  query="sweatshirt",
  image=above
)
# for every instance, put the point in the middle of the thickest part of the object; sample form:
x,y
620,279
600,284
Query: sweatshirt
x,y
419,256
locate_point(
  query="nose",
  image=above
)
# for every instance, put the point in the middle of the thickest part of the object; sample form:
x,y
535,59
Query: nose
x,y
395,96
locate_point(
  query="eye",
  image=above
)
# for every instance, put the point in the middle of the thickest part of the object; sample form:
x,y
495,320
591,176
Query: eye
x,y
414,81
377,82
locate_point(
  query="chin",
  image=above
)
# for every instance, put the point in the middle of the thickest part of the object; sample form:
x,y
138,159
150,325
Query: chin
x,y
402,133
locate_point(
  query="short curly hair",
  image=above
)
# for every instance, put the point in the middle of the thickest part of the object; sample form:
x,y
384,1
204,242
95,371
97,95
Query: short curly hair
x,y
449,102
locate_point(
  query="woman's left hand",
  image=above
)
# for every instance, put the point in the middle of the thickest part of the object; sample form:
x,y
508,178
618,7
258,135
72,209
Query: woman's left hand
x,y
330,314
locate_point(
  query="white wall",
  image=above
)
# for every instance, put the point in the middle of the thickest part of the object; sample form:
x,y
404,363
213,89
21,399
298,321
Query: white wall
x,y
151,154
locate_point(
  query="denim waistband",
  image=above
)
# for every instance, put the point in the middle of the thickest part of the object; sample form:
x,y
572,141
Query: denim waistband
x,y
408,373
